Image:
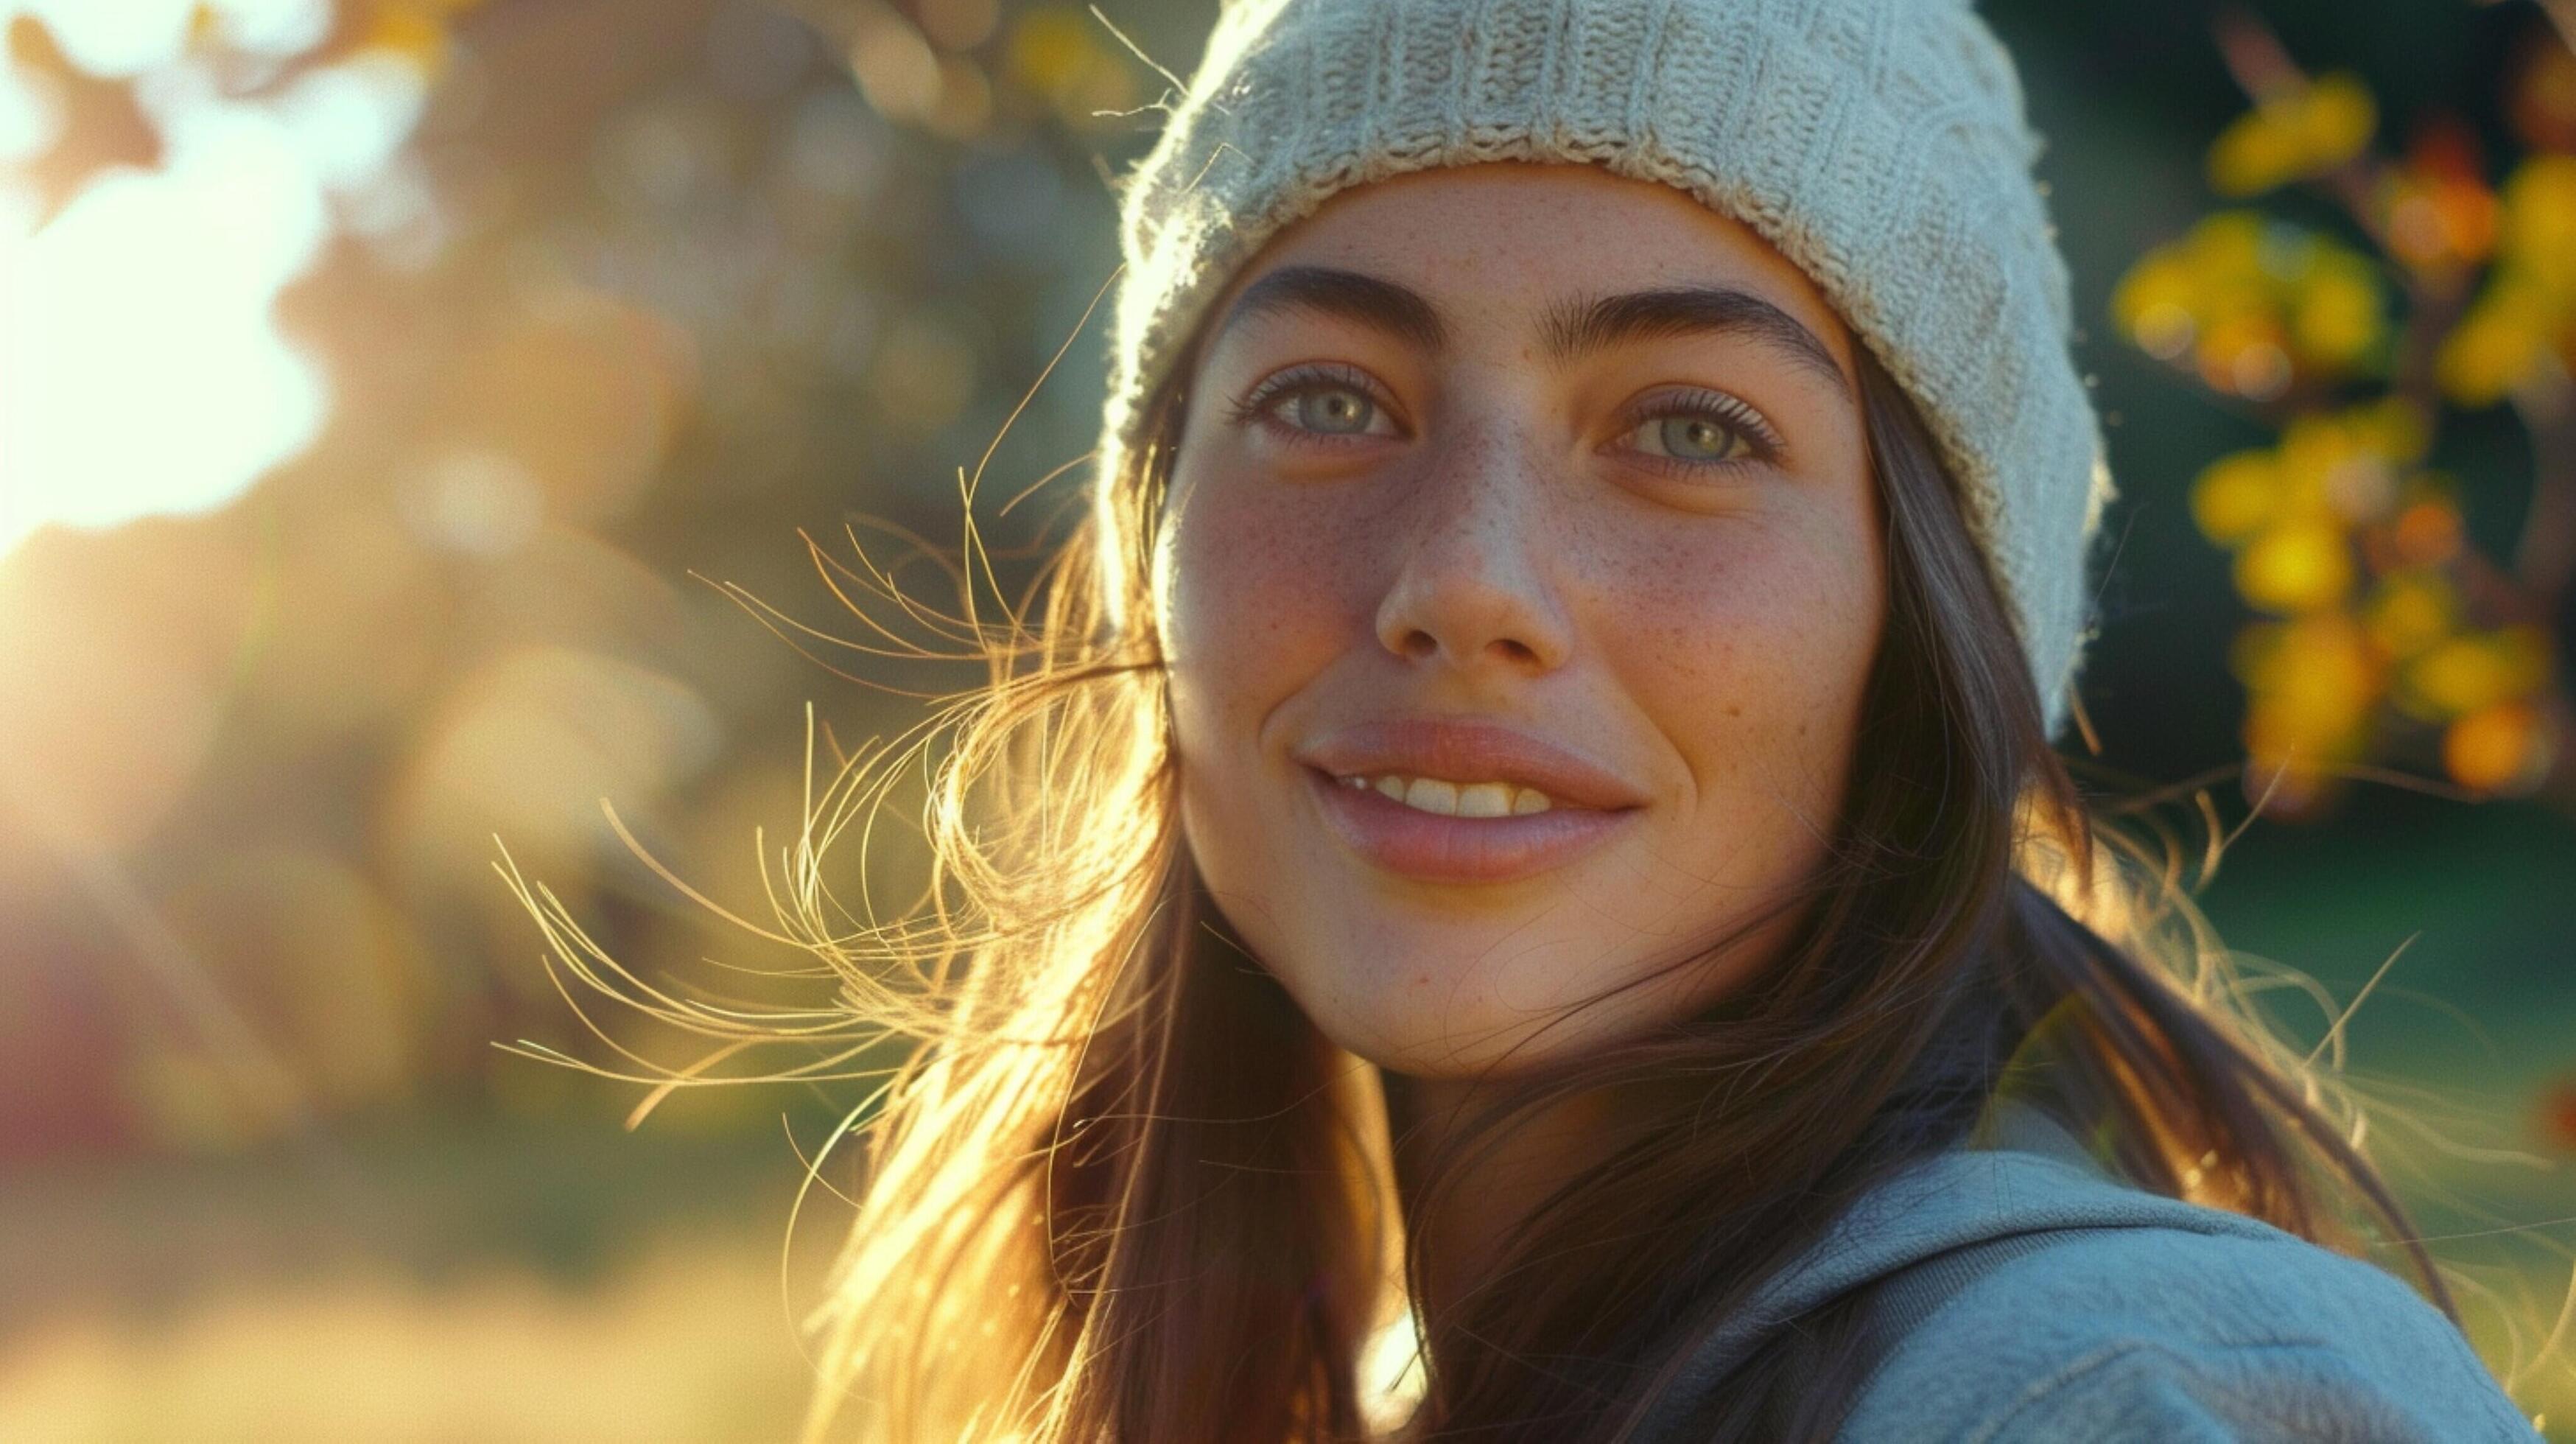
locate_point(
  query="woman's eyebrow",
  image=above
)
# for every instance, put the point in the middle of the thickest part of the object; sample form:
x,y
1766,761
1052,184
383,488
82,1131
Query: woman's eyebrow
x,y
1570,328
1324,290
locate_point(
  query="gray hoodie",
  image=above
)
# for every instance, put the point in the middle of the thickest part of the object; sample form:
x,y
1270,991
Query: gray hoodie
x,y
2021,1293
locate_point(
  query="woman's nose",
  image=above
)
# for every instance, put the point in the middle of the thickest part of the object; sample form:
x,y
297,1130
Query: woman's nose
x,y
1471,586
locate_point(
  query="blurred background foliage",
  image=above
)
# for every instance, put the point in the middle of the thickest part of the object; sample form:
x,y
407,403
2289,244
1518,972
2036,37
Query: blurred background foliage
x,y
2391,635
422,419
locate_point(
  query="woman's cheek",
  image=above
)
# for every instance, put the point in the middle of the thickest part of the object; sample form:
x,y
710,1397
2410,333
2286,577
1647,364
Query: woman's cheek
x,y
1251,619
1261,596
1750,648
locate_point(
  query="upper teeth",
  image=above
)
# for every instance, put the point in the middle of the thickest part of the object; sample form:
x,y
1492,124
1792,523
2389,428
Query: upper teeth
x,y
1457,799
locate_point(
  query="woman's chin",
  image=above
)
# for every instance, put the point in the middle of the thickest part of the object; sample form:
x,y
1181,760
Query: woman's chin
x,y
1421,1026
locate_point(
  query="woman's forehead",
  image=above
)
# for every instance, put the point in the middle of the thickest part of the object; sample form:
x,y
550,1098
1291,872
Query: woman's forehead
x,y
1519,248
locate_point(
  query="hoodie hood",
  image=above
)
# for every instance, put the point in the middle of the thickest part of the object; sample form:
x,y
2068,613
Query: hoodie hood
x,y
2023,1173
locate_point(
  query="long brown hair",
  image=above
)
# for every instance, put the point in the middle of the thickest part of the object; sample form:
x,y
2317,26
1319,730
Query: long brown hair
x,y
1124,1190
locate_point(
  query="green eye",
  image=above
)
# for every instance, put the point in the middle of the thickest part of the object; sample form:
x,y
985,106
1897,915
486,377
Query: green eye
x,y
1699,431
1318,405
1695,438
1336,410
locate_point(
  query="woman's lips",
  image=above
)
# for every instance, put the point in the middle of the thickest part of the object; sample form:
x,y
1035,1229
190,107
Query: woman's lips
x,y
1468,749
1431,847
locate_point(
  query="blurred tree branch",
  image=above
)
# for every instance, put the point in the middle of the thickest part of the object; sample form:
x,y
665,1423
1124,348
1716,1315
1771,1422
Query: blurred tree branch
x,y
2390,617
2561,13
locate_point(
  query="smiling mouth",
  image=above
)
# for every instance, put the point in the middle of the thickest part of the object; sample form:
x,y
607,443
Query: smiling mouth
x,y
1453,799
1436,830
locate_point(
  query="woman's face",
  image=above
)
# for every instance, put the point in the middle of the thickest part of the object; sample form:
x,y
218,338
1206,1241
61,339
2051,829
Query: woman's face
x,y
1520,576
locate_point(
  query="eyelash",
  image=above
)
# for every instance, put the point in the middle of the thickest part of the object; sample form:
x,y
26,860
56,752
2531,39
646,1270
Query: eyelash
x,y
1297,380
1731,412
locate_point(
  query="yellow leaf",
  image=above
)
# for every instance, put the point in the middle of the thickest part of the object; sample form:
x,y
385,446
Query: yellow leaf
x,y
2502,748
2324,669
2410,611
2395,427
2313,448
2259,151
1050,47
2305,133
2540,224
2236,497
2254,305
2499,343
2338,317
2313,691
2296,567
2227,246
2153,303
2336,118
2244,354
2475,670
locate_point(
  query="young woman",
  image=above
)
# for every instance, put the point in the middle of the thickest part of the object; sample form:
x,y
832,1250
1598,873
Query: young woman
x,y
1526,819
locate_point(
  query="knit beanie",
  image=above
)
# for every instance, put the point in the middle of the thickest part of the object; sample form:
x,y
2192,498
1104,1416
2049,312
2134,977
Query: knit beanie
x,y
1879,145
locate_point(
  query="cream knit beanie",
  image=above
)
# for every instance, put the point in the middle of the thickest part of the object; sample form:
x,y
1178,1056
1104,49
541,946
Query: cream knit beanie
x,y
1878,144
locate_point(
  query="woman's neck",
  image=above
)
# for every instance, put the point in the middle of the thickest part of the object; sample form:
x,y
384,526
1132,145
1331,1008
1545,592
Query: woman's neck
x,y
1464,1229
